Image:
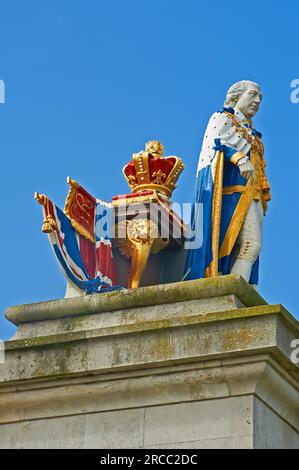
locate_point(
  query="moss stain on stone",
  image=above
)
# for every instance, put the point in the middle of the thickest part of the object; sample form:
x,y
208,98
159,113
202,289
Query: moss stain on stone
x,y
134,298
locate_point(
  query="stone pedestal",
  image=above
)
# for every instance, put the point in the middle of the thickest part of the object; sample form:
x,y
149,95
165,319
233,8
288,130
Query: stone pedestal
x,y
198,364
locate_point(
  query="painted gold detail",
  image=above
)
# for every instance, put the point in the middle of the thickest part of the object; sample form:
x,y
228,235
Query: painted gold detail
x,y
155,148
251,139
122,202
237,219
175,173
74,186
49,223
155,187
216,215
132,180
237,157
238,188
142,239
159,177
261,184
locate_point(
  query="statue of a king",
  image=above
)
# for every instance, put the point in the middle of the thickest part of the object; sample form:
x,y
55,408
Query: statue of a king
x,y
232,186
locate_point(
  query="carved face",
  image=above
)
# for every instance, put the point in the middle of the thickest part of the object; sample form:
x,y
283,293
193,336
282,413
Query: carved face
x,y
139,230
249,102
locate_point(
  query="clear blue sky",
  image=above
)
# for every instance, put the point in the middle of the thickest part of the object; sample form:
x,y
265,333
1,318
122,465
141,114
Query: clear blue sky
x,y
89,81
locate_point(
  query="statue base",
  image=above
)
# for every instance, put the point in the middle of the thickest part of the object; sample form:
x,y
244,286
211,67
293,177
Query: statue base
x,y
198,364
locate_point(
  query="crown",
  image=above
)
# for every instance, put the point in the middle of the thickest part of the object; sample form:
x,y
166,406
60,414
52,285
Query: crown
x,y
149,170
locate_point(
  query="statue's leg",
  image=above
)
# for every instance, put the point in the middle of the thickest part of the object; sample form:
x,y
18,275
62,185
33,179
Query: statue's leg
x,y
249,241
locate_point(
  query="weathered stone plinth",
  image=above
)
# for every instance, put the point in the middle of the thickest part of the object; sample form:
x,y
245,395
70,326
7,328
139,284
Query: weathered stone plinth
x,y
199,364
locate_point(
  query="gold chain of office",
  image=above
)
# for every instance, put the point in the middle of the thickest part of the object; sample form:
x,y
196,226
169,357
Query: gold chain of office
x,y
255,142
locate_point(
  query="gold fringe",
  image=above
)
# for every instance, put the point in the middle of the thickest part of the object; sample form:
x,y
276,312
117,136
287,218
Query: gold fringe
x,y
82,230
69,199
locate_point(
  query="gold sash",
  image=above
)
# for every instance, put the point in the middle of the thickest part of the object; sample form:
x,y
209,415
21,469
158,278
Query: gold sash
x,y
237,219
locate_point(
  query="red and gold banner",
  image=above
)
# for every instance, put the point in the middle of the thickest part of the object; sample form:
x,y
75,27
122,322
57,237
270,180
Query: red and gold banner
x,y
80,208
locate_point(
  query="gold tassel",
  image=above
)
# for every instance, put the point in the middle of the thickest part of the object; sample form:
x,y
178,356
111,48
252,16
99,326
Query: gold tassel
x,y
49,223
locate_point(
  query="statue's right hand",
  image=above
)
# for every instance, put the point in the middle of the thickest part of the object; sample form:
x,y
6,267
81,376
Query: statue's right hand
x,y
246,169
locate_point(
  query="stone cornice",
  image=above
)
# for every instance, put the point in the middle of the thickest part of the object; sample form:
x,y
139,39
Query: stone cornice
x,y
256,375
134,298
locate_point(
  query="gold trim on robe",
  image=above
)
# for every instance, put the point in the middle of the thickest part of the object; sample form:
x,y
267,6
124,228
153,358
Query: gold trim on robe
x,y
238,188
237,157
212,270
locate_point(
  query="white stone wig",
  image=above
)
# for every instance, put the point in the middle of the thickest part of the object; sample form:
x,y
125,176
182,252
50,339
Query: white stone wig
x,y
236,90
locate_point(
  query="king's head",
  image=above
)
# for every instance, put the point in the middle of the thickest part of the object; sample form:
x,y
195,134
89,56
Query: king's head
x,y
245,96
